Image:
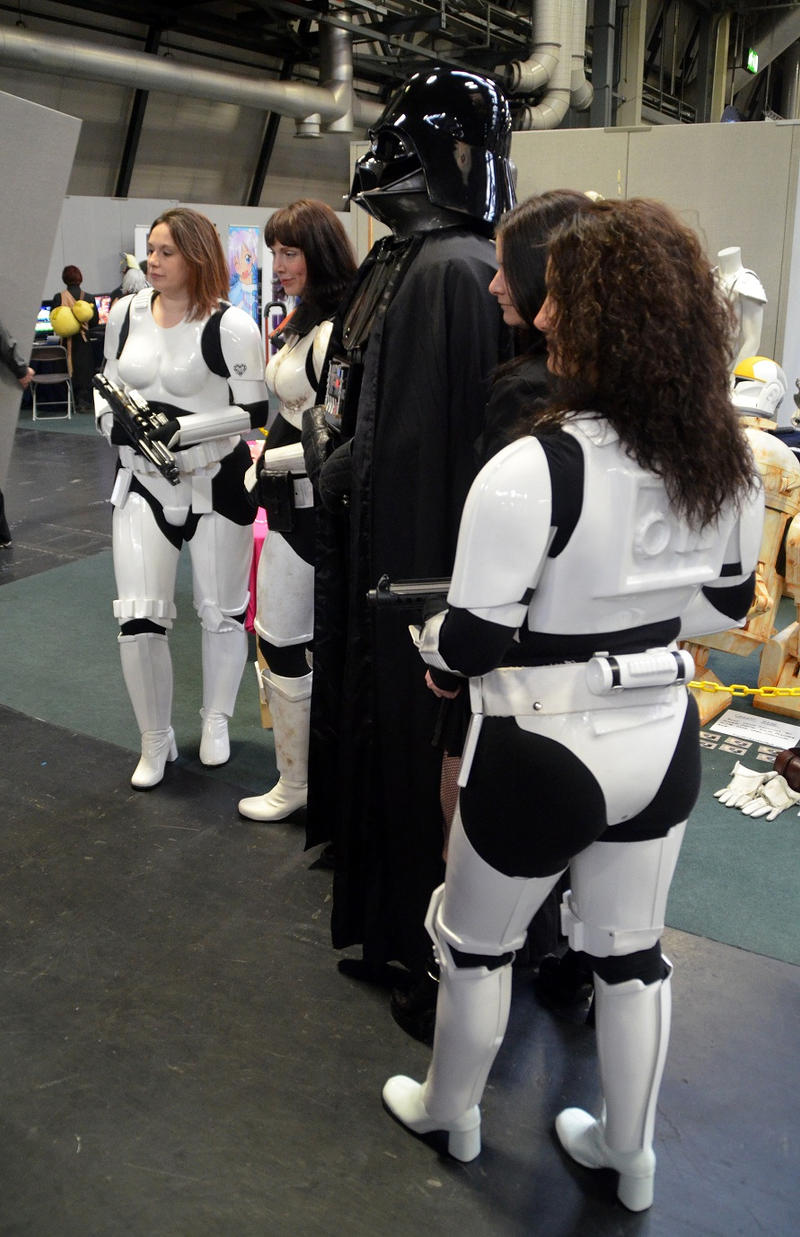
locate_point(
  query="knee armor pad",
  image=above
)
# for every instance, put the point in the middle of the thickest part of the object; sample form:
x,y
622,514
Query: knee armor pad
x,y
289,689
157,611
213,619
448,947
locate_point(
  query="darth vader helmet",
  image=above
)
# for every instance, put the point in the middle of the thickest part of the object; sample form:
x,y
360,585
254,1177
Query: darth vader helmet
x,y
439,155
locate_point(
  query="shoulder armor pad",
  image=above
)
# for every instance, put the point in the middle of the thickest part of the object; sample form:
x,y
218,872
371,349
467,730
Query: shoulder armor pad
x,y
505,529
240,344
747,283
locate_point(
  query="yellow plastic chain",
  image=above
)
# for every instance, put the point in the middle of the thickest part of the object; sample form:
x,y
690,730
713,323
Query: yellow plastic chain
x,y
739,689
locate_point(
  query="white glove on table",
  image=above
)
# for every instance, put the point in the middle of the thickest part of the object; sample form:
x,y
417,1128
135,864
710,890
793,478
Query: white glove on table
x,y
742,787
773,796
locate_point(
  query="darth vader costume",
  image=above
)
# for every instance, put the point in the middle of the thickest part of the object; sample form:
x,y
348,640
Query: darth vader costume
x,y
404,394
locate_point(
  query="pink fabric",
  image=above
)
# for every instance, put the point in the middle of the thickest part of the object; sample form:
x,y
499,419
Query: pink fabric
x,y
259,533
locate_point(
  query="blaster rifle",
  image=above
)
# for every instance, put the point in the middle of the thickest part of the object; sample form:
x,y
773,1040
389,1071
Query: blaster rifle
x,y
137,421
408,592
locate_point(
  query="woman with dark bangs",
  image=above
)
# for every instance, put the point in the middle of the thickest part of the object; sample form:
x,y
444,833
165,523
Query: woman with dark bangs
x,y
201,362
627,520
314,261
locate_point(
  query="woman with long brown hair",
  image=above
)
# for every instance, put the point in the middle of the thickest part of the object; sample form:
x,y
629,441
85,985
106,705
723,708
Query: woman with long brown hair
x,y
628,519
200,361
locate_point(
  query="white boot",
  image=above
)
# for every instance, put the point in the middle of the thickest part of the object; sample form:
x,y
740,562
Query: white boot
x,y
147,671
471,1016
224,659
290,706
404,1099
633,1021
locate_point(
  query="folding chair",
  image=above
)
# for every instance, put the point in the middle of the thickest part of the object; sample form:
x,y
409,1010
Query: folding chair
x,y
49,361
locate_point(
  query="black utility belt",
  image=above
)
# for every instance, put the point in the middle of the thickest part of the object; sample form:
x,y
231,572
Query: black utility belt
x,y
281,494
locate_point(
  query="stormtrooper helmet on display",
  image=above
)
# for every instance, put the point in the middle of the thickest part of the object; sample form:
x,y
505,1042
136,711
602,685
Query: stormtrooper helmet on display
x,y
439,155
758,386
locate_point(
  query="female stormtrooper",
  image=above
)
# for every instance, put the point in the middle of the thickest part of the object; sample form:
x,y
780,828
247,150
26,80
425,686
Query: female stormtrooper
x,y
313,259
205,370
578,568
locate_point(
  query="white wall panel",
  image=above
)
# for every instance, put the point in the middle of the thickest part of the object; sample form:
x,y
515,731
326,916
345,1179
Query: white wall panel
x,y
37,146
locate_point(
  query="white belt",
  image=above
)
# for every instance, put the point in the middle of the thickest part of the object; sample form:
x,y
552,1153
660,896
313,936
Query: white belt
x,y
188,460
540,691
524,691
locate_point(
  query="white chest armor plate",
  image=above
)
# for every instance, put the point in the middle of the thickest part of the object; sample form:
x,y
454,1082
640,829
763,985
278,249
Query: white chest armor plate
x,y
630,561
166,364
287,375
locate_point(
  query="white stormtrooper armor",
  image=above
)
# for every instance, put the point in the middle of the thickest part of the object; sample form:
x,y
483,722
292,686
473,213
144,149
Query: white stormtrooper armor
x,y
582,722
207,508
285,581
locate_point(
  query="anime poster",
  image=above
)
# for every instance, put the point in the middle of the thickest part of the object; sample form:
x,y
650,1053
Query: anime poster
x,y
243,247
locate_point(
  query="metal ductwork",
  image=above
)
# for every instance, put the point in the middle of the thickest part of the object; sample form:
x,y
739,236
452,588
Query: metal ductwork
x,y
581,92
556,61
334,102
552,109
531,75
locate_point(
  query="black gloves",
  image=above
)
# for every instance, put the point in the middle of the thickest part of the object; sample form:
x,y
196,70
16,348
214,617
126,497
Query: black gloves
x,y
336,478
328,459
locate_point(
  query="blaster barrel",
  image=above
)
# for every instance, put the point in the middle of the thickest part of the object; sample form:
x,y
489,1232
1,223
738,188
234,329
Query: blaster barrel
x,y
408,592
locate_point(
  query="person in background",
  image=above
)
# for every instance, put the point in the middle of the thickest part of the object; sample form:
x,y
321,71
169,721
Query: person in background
x,y
73,315
133,277
14,361
314,261
627,519
201,361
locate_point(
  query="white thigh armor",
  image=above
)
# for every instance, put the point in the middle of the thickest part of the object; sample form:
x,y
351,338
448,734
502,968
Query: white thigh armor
x,y
221,554
619,894
145,564
285,593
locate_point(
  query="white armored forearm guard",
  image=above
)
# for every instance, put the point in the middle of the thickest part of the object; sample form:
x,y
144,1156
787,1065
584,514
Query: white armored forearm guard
x,y
426,640
202,426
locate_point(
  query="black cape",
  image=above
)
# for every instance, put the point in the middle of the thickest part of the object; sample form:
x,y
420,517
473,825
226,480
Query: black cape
x,y
373,771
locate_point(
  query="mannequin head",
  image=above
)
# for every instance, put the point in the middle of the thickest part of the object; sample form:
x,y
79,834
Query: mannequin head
x,y
439,156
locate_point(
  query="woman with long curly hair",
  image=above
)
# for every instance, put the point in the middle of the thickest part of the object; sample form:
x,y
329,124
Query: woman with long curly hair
x,y
627,520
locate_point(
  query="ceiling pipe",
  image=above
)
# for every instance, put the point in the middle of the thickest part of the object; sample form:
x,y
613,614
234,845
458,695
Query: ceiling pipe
x,y
531,75
581,92
552,109
41,53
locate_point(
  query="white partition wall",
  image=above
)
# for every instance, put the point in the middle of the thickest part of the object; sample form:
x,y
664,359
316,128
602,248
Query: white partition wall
x,y
37,147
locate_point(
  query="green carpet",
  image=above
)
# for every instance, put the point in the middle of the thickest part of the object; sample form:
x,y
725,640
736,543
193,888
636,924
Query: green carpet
x,y
80,685
737,878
